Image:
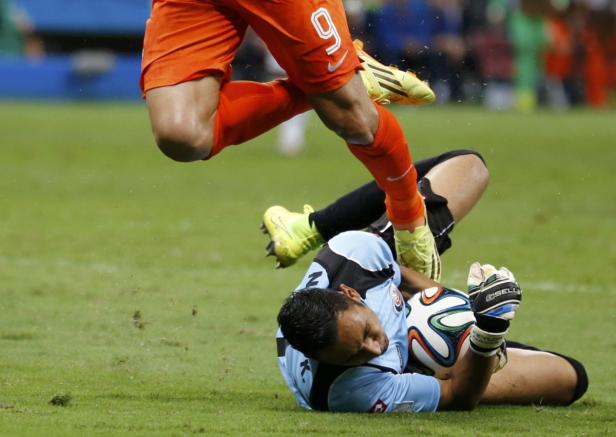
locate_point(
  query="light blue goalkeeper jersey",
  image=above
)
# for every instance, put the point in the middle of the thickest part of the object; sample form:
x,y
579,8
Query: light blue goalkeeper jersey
x,y
363,261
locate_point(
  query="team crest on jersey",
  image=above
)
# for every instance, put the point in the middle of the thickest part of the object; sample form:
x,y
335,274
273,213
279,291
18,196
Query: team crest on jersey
x,y
396,297
379,407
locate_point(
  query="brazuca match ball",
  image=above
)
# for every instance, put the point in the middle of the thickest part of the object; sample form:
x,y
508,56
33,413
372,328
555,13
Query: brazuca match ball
x,y
439,323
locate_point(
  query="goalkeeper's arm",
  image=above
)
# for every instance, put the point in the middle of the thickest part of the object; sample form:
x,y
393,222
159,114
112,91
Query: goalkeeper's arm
x,y
495,298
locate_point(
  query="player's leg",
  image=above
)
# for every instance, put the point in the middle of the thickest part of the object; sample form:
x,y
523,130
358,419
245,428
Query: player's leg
x,y
183,117
375,137
311,41
532,376
461,180
460,176
195,120
194,110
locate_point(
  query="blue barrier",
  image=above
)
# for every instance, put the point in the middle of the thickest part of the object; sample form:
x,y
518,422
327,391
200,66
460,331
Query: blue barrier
x,y
62,77
87,16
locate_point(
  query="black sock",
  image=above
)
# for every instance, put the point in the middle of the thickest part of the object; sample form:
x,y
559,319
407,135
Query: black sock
x,y
353,211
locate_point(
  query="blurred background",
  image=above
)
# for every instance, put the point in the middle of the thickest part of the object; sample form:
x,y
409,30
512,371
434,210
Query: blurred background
x,y
502,54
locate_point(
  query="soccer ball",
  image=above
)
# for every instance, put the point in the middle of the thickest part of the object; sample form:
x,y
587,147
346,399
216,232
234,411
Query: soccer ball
x,y
439,323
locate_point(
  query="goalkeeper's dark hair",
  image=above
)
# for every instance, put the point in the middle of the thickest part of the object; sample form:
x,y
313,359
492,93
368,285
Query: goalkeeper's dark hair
x,y
309,318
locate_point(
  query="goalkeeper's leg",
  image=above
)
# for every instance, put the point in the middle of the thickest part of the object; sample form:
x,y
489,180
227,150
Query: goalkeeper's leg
x,y
532,376
451,184
459,177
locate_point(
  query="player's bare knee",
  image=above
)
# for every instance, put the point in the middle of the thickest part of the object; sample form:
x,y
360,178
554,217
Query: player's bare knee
x,y
570,390
481,171
183,141
574,381
477,170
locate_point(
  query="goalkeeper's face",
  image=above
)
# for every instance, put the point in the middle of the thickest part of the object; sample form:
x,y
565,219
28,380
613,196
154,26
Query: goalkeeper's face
x,y
360,338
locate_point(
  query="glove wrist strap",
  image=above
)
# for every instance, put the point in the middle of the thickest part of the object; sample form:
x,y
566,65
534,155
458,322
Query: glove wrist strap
x,y
486,343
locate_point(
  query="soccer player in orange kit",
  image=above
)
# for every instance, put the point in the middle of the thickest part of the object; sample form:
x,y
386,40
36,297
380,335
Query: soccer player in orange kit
x,y
196,111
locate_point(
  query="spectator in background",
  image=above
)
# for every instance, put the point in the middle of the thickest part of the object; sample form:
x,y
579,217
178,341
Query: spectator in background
x,y
17,35
11,41
491,50
599,42
528,34
424,36
356,14
559,57
404,33
449,49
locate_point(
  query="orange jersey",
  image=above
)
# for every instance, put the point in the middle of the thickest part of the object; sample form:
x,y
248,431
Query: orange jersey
x,y
189,39
559,56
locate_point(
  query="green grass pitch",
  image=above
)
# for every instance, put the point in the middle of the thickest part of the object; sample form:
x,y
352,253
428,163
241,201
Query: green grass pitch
x,y
134,291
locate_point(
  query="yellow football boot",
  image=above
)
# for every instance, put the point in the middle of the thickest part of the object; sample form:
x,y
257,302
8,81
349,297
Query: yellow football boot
x,y
417,250
388,84
291,234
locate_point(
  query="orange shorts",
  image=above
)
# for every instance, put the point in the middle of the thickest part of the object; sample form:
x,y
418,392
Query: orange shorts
x,y
189,39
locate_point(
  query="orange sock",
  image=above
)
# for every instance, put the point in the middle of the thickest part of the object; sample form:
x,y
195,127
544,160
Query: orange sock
x,y
247,109
389,160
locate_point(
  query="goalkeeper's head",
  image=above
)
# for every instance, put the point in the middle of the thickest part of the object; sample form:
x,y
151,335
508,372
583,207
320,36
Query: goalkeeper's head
x,y
332,326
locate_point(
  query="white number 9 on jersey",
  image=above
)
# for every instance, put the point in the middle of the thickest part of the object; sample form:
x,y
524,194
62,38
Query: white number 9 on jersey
x,y
319,17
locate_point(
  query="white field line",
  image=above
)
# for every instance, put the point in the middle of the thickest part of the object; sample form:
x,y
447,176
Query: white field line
x,y
458,277
455,279
566,288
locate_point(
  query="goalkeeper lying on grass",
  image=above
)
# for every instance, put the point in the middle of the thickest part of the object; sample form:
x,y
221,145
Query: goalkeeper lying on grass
x,y
347,329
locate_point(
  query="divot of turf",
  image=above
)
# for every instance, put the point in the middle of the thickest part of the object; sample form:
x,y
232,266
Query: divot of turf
x,y
172,343
138,321
17,336
61,400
